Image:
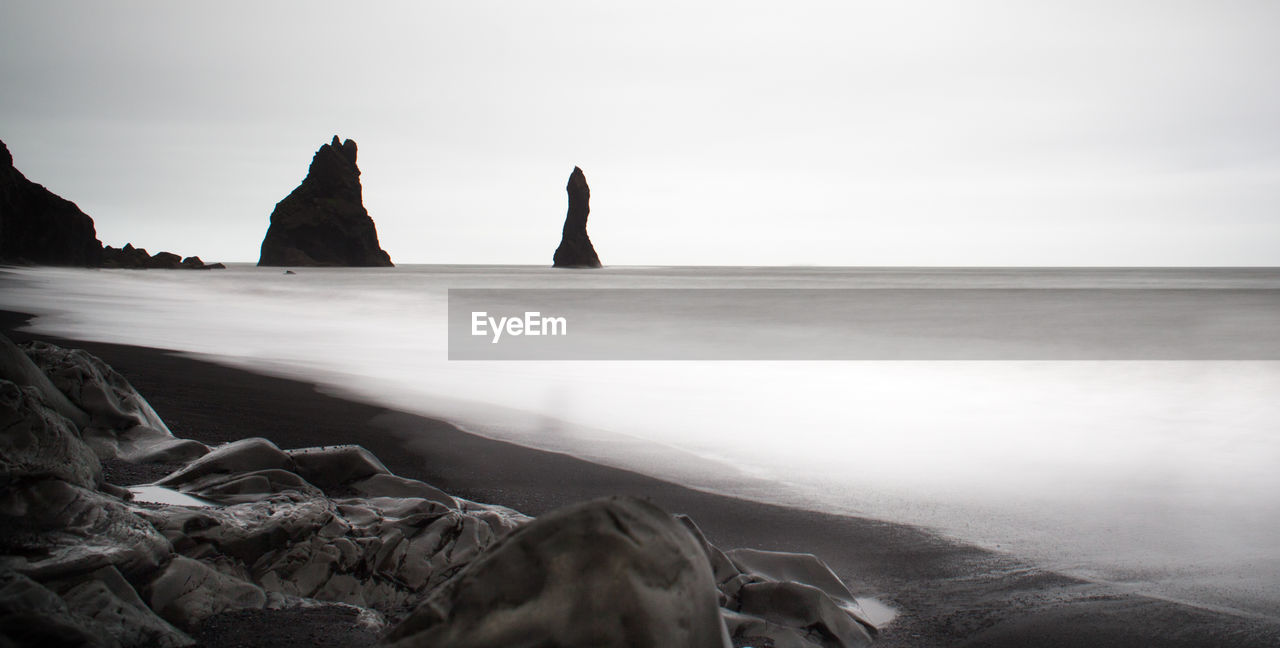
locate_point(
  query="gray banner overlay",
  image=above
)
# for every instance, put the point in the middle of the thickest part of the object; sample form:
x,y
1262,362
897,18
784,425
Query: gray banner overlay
x,y
864,324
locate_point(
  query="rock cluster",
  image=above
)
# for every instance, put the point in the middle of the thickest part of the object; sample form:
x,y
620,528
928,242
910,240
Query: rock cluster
x,y
323,222
575,249
250,527
38,226
138,259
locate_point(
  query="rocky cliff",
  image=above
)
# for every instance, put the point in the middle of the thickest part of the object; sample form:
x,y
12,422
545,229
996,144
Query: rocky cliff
x,y
575,249
38,226
323,222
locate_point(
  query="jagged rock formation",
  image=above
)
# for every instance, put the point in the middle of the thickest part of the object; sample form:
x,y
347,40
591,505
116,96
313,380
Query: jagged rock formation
x,y
249,528
38,226
575,249
323,222
138,259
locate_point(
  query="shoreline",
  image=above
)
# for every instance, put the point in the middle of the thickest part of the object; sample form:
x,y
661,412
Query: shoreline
x,y
945,592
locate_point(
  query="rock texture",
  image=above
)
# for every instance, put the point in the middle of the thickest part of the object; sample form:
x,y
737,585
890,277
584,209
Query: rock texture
x,y
120,423
38,226
323,222
248,530
575,249
615,572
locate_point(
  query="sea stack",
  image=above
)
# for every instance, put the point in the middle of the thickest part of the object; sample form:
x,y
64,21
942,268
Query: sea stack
x,y
575,249
324,222
40,227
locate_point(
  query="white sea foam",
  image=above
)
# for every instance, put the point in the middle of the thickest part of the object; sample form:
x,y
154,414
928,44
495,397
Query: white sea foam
x,y
1158,475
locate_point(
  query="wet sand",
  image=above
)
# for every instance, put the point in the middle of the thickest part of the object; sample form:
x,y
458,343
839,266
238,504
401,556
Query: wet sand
x,y
947,593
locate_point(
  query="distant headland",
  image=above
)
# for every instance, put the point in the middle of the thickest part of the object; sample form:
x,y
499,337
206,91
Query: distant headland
x,y
39,227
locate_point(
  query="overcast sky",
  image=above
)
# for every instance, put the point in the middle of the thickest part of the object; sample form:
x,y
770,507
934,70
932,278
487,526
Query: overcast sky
x,y
841,133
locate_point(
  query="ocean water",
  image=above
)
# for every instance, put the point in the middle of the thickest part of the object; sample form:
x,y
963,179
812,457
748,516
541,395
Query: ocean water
x,y
1158,475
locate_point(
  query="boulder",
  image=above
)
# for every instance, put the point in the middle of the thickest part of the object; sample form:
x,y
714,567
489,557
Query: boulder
x,y
790,600
132,258
188,591
237,457
164,261
397,486
249,487
31,615
247,531
805,608
38,442
575,249
803,568
38,226
93,386
334,466
56,529
108,605
611,572
127,257
323,222
381,553
17,367
120,422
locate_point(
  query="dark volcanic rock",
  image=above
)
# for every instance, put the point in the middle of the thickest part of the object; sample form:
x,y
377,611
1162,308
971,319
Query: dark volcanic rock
x,y
612,572
165,261
38,226
133,258
253,545
324,222
126,257
575,249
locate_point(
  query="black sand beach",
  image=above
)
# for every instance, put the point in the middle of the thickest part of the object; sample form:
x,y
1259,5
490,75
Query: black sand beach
x,y
947,593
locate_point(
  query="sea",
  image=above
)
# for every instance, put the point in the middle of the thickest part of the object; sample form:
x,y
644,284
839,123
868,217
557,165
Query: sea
x,y
1120,425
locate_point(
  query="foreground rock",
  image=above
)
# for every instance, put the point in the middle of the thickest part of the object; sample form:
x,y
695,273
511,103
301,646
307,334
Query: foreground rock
x,y
617,572
38,226
248,530
575,249
120,423
323,222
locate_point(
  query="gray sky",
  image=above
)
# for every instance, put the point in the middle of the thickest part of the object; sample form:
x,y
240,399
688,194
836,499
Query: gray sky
x,y
842,133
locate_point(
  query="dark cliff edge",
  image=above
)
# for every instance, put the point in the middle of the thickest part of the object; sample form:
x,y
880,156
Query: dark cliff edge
x,y
575,249
323,222
39,227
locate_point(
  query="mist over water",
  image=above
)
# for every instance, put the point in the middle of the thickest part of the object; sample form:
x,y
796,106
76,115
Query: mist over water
x,y
1157,474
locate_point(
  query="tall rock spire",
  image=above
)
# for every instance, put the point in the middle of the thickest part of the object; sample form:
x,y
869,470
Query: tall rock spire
x,y
575,249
